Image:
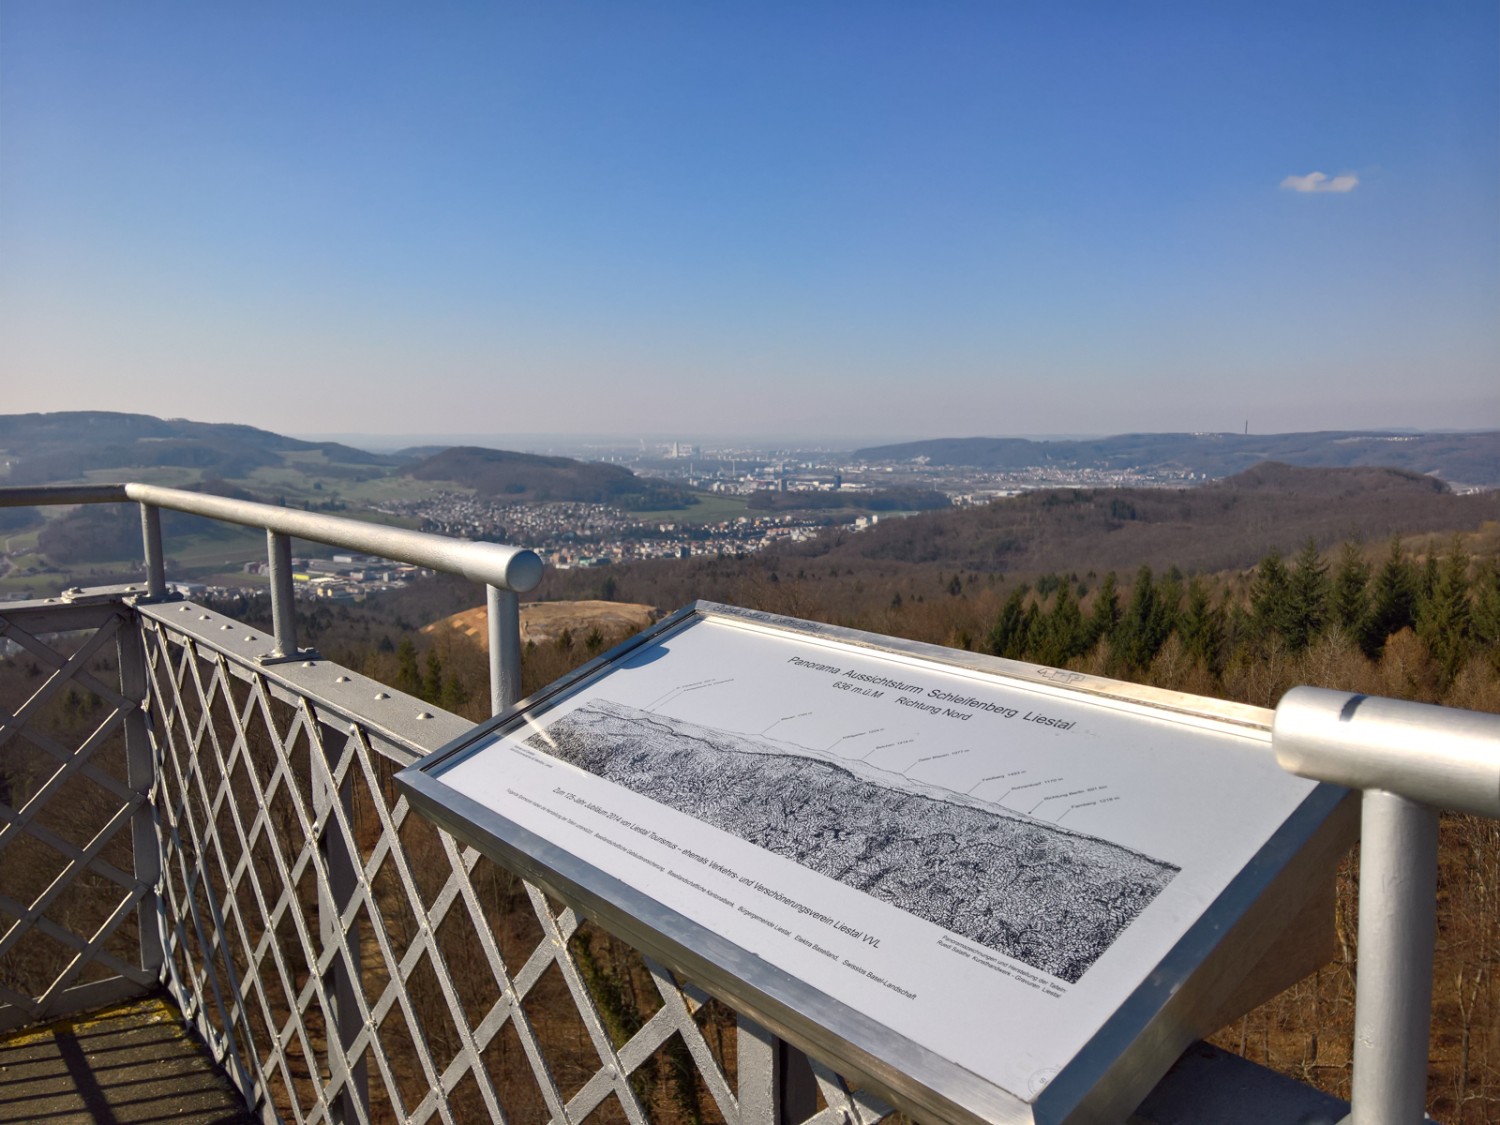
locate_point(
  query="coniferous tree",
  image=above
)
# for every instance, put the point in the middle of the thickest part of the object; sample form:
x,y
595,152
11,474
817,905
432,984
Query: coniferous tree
x,y
1145,624
1169,601
1202,627
1008,635
1485,621
1428,580
408,678
1104,617
1445,621
432,682
1393,599
1063,633
455,694
1349,599
1306,613
1268,597
1031,628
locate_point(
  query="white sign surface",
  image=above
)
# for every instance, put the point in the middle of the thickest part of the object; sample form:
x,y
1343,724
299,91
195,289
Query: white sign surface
x,y
988,867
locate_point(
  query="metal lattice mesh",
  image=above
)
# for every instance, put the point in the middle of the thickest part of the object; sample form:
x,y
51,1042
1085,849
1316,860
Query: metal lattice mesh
x,y
348,961
72,895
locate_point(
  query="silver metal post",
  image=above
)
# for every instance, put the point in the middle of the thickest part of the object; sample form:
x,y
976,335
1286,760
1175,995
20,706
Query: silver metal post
x,y
1411,759
156,567
344,977
283,610
776,1083
503,610
1393,989
140,770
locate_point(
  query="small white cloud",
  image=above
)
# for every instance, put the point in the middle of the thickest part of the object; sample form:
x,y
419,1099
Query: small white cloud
x,y
1317,181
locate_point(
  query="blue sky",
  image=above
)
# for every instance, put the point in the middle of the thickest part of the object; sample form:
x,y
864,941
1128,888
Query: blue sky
x,y
787,219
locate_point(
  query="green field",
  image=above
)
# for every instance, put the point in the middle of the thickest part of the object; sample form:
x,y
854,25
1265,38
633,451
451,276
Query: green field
x,y
711,508
305,483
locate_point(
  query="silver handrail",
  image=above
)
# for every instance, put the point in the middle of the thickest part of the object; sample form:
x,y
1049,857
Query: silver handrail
x,y
1410,759
505,570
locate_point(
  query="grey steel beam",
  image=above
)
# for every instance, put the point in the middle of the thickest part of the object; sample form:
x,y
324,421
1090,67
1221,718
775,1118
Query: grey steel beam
x,y
156,566
344,979
40,496
776,1084
140,769
57,615
1207,1085
283,610
1393,986
405,727
503,614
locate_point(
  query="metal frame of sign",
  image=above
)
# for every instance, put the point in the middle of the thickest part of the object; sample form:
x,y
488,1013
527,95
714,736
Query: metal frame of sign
x,y
1203,977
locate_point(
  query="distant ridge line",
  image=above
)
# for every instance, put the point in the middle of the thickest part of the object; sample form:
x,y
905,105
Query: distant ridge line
x,y
1468,458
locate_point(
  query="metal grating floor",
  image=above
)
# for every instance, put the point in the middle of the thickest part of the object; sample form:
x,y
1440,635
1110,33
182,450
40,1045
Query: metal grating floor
x,y
124,1065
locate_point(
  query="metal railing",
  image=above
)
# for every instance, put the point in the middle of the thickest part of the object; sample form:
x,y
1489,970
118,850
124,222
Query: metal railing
x,y
220,816
225,822
344,960
504,570
1411,760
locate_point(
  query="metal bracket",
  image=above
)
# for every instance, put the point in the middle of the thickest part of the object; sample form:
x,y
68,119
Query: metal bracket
x,y
268,658
133,593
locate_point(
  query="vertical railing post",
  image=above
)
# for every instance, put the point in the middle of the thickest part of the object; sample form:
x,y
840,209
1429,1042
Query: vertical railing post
x,y
344,977
156,566
503,610
283,608
1410,760
1393,988
775,1080
140,775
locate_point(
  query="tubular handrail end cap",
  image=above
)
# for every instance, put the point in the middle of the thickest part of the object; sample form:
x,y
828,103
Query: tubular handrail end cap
x,y
524,571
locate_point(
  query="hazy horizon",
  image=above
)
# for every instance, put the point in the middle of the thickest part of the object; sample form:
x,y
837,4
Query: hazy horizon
x,y
535,442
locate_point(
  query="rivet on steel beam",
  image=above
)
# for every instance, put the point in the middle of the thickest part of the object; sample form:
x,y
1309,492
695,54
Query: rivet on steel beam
x,y
308,664
382,695
424,714
341,679
226,628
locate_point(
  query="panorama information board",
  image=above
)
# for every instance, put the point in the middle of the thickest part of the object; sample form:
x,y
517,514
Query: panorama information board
x,y
964,879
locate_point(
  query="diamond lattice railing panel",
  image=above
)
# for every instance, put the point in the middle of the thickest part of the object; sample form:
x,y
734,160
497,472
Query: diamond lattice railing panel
x,y
70,897
348,961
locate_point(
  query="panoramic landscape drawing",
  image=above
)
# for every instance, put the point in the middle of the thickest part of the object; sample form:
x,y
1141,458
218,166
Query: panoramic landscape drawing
x,y
1053,899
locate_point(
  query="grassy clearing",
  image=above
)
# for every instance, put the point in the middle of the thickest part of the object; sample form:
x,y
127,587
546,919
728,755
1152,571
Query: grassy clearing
x,y
711,508
300,485
164,476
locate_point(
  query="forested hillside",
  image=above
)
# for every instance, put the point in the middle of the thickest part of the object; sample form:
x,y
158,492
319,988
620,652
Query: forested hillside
x,y
63,446
517,477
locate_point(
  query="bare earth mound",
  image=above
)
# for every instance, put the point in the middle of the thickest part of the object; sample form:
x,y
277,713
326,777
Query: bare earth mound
x,y
543,622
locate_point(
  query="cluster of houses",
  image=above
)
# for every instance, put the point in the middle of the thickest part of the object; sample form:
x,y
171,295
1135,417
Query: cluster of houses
x,y
343,577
